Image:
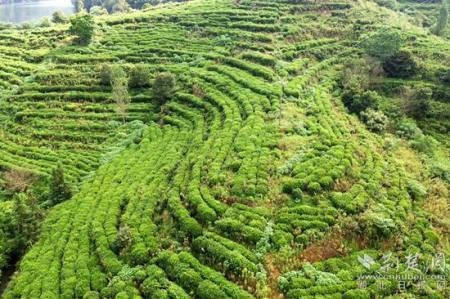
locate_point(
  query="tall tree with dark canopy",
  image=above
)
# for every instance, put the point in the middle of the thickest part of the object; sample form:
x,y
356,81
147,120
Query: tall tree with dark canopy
x,y
59,188
164,86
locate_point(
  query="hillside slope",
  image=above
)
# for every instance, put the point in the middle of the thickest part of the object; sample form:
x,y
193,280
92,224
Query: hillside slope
x,y
254,179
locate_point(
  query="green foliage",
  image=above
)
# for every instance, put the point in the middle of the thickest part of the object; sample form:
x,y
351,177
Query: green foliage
x,y
82,26
20,219
442,20
117,6
207,289
357,294
189,202
383,44
377,225
98,11
375,121
164,87
59,17
119,85
419,105
59,188
400,65
392,4
407,128
105,74
356,99
416,190
139,76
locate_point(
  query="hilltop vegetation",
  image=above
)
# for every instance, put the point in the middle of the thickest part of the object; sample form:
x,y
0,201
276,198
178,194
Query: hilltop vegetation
x,y
227,149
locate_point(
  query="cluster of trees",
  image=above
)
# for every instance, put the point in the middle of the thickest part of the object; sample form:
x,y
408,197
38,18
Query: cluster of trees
x,y
361,88
385,46
139,76
23,207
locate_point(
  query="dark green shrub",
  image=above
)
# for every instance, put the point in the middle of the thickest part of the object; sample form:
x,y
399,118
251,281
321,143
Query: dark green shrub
x,y
400,65
105,74
139,76
356,99
164,87
59,188
418,106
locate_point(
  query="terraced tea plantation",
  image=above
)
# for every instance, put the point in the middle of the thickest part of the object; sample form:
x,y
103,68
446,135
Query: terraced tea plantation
x,y
257,177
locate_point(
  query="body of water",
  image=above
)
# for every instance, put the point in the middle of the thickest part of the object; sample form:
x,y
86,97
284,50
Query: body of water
x,y
33,10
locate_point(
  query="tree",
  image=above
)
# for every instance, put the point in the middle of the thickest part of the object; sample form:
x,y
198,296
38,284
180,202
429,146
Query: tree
x,y
105,74
116,5
164,87
79,5
59,17
442,19
119,84
59,189
138,4
120,6
400,65
383,44
28,215
82,25
418,104
357,99
98,11
139,76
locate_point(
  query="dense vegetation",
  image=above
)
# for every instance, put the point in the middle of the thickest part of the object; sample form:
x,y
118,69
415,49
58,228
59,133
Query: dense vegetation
x,y
227,149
